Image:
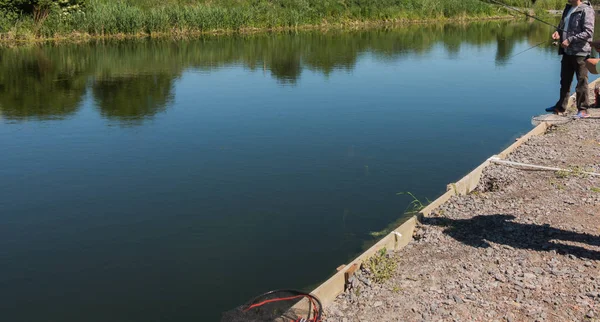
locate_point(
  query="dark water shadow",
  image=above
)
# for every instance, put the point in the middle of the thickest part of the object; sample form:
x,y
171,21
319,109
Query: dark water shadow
x,y
482,230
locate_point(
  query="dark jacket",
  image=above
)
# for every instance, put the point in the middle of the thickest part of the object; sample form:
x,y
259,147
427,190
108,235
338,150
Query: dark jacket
x,y
580,31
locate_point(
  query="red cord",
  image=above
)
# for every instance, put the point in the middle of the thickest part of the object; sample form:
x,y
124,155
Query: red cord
x,y
312,301
273,300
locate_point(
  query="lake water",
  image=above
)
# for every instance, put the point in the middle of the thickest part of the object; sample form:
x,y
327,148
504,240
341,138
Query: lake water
x,y
172,180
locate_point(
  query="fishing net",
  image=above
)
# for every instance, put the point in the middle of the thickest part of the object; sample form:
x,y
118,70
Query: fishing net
x,y
278,306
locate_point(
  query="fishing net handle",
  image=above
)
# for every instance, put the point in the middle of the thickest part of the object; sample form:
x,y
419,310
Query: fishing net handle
x,y
317,308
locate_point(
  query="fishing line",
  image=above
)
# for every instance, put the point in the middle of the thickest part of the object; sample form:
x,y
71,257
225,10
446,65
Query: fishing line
x,y
530,16
528,49
525,13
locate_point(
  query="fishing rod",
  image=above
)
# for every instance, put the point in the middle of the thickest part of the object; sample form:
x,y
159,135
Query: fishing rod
x,y
528,49
530,16
526,14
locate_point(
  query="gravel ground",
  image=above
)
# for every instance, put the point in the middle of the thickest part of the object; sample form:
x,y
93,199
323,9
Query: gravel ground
x,y
524,246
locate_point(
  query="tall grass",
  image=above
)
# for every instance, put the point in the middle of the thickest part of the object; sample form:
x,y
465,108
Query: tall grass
x,y
104,17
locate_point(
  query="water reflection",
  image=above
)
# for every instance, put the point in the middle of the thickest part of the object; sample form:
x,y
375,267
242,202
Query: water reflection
x,y
131,98
33,84
132,81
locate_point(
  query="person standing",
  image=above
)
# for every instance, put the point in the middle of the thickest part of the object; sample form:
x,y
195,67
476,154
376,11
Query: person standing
x,y
575,32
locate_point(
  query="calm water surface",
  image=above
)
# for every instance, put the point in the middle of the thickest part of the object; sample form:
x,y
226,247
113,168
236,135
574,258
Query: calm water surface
x,y
169,181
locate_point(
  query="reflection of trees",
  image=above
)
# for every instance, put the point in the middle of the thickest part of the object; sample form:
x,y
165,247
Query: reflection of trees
x,y
326,52
34,86
284,59
133,79
133,98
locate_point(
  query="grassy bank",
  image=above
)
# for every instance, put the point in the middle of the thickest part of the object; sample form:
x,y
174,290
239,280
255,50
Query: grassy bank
x,y
101,18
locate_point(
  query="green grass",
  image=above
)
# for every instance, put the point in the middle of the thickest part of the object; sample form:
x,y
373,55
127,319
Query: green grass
x,y
574,171
381,265
104,17
415,205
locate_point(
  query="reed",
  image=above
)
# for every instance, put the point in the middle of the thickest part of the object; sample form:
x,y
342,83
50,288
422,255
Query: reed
x,y
135,17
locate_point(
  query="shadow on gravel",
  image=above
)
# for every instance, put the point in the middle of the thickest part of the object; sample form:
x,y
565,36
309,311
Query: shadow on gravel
x,y
500,229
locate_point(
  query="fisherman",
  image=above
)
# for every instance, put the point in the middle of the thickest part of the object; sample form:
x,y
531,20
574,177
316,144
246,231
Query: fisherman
x,y
574,33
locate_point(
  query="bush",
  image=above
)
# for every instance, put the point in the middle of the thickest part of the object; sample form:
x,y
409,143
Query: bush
x,y
6,21
40,7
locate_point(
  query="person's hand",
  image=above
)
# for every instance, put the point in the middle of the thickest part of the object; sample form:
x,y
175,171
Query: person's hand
x,y
596,45
565,44
555,35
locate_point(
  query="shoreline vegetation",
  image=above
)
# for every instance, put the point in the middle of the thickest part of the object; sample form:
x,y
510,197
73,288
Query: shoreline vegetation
x,y
27,21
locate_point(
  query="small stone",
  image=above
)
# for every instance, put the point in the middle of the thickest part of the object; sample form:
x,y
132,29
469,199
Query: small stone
x,y
378,304
457,299
593,294
590,314
537,270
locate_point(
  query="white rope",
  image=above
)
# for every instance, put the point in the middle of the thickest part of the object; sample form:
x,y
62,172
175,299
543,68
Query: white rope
x,y
497,160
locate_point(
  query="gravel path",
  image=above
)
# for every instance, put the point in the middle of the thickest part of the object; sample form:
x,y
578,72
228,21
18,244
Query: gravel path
x,y
524,246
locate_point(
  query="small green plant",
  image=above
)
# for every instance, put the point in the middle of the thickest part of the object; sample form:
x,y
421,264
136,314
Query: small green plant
x,y
453,185
357,291
580,171
557,184
562,174
381,265
576,171
415,205
595,189
396,289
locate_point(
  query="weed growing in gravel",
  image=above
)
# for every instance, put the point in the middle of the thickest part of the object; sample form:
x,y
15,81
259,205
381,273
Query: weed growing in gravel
x,y
595,189
576,171
557,185
381,265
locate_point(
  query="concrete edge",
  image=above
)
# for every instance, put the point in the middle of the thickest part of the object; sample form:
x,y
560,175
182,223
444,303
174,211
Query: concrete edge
x,y
328,291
